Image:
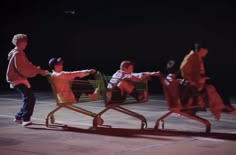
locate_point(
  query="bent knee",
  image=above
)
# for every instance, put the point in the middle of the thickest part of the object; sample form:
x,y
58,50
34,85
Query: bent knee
x,y
126,86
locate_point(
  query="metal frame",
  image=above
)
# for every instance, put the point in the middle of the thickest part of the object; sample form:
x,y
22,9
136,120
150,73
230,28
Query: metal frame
x,y
181,111
67,105
101,81
118,107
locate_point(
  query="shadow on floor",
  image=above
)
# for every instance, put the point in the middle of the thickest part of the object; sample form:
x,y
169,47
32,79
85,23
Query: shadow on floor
x,y
148,133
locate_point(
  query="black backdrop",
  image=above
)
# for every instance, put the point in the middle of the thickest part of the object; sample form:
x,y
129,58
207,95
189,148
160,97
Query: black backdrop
x,y
100,34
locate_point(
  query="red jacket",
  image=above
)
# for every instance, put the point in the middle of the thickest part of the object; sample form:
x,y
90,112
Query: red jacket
x,y
20,68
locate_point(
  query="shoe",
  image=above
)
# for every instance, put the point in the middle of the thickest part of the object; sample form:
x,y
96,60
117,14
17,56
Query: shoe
x,y
19,121
141,98
233,111
217,115
93,96
228,108
26,123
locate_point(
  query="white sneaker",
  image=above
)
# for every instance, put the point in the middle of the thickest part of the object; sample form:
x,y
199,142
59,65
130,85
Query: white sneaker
x,y
26,123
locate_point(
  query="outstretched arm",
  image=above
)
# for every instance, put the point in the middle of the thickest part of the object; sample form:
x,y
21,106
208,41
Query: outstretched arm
x,y
25,68
80,74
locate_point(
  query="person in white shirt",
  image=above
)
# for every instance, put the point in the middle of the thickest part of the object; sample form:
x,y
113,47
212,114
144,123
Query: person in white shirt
x,y
122,81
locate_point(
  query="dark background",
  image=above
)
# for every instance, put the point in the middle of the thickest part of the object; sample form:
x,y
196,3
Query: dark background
x,y
100,34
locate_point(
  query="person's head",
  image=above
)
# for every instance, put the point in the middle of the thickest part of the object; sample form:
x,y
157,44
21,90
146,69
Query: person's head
x,y
127,66
56,64
200,49
20,41
197,46
202,52
172,67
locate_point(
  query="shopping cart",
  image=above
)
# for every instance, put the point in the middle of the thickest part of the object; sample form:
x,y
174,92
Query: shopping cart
x,y
172,100
70,93
118,105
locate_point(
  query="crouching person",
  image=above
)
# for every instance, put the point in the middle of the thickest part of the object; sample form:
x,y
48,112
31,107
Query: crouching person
x,y
122,83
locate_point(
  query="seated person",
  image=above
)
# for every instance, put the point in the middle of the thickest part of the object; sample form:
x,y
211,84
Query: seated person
x,y
122,83
174,86
209,95
193,70
67,91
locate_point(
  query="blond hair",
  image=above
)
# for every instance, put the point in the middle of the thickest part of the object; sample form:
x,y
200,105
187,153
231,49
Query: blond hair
x,y
19,38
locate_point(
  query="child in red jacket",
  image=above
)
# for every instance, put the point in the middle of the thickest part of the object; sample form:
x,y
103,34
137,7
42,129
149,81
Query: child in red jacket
x,y
18,71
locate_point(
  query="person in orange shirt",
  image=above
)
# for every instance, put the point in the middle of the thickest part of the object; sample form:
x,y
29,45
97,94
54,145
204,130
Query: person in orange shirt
x,y
181,90
192,69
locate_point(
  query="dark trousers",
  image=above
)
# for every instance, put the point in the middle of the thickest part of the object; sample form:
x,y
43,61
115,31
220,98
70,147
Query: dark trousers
x,y
27,106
